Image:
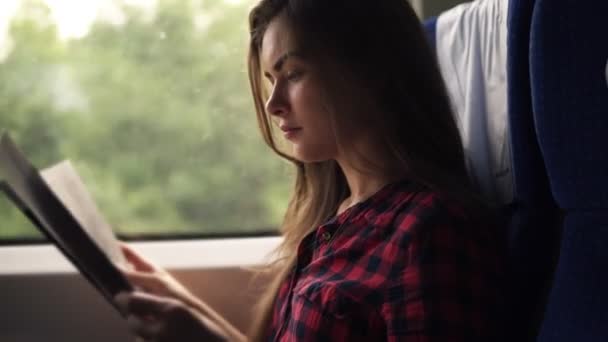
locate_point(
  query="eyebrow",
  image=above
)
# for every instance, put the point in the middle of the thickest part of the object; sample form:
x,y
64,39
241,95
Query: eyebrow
x,y
281,60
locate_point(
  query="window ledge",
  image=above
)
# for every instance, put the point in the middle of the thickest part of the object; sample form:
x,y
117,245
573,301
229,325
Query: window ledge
x,y
174,255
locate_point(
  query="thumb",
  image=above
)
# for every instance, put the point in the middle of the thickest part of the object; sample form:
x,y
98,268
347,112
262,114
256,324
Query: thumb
x,y
142,304
149,282
135,259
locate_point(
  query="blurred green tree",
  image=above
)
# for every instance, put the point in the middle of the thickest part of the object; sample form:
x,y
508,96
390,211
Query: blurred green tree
x,y
155,113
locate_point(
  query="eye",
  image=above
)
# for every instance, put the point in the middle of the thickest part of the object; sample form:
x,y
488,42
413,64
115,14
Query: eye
x,y
268,78
268,83
294,75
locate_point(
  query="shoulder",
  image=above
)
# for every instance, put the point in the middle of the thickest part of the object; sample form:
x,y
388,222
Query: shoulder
x,y
452,271
418,220
429,208
407,207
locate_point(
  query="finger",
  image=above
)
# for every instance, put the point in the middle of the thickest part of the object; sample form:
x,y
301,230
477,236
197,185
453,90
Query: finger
x,y
143,304
146,281
144,329
122,301
135,259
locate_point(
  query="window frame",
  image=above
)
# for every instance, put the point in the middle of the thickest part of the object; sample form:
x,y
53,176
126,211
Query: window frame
x,y
169,254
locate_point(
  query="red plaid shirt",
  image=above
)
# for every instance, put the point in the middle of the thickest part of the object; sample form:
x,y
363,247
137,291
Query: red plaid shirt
x,y
404,265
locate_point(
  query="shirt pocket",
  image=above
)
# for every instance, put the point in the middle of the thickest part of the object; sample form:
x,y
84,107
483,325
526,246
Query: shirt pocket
x,y
329,314
326,299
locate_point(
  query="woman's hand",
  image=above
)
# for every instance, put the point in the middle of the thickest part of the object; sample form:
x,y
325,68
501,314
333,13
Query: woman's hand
x,y
163,303
159,319
153,279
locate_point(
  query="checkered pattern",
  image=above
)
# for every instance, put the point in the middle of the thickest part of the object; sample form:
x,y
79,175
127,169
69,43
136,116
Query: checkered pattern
x,y
404,265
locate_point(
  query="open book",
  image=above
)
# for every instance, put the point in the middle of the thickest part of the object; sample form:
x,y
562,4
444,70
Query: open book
x,y
59,205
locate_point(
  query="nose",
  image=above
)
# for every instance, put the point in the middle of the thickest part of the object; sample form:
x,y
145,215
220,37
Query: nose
x,y
277,103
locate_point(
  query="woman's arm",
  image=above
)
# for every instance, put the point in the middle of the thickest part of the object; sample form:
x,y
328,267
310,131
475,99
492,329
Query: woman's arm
x,y
172,305
230,330
164,319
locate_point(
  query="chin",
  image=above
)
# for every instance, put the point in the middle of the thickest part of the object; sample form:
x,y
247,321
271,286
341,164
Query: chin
x,y
312,155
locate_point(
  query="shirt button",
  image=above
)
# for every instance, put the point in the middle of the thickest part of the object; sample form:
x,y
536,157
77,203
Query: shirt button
x,y
326,236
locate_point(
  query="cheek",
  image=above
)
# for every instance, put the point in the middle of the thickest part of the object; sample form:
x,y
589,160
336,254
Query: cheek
x,y
310,108
318,142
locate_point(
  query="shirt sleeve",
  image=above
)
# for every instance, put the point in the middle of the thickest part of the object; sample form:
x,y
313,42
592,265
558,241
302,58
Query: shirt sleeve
x,y
449,289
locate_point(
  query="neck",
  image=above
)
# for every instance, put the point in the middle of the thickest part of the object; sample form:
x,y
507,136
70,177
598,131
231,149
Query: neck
x,y
362,185
364,182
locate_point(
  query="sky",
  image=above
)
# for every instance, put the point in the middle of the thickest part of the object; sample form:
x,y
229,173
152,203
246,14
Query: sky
x,y
72,17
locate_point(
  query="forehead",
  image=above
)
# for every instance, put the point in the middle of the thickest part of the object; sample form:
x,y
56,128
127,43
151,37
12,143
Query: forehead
x,y
277,41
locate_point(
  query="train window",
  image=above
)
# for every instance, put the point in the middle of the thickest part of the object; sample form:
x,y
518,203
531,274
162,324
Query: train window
x,y
149,99
150,102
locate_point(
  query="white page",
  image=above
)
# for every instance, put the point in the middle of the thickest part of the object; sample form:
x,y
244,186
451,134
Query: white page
x,y
63,179
94,250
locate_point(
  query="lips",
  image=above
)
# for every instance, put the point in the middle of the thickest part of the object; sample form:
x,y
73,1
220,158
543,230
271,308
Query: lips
x,y
290,131
286,128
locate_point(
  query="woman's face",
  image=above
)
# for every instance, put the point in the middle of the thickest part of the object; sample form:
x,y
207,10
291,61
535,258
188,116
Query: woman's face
x,y
295,103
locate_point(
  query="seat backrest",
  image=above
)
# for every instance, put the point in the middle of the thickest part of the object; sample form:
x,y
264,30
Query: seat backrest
x,y
569,56
534,228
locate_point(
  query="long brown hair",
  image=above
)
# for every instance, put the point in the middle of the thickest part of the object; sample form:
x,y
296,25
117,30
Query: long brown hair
x,y
383,47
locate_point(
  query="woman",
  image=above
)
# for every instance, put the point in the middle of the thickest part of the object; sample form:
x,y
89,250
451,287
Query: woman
x,y
383,237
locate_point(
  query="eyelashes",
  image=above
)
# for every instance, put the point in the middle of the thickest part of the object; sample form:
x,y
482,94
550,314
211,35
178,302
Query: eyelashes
x,y
290,75
293,76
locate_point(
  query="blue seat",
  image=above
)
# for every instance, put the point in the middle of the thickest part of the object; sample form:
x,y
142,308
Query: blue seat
x,y
569,55
535,221
558,117
430,26
533,218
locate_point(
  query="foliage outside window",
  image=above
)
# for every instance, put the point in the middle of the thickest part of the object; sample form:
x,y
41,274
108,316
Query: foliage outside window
x,y
151,103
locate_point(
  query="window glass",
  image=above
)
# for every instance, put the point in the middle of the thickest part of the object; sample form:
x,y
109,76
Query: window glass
x,y
150,102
